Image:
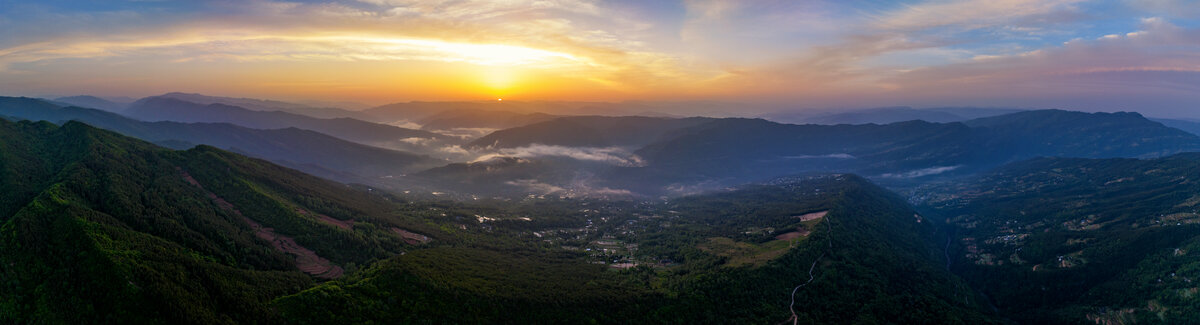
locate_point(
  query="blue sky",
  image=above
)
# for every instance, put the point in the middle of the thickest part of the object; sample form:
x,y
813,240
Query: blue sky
x,y
1089,55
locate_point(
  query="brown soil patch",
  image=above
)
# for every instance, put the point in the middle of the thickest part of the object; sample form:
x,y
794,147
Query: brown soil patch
x,y
793,235
412,238
306,260
344,224
187,177
812,216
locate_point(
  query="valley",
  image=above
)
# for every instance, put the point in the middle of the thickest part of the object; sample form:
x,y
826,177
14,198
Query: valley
x,y
662,220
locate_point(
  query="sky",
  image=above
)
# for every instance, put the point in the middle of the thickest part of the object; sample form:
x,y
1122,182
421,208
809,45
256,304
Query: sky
x,y
1141,55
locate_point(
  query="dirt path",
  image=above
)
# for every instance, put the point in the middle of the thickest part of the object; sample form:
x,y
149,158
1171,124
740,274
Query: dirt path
x,y
792,306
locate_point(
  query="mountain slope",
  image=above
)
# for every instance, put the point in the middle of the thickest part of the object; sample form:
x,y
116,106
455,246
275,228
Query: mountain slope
x,y
1074,241
155,109
1087,135
1188,126
885,115
306,150
746,148
265,105
480,119
91,102
96,227
749,148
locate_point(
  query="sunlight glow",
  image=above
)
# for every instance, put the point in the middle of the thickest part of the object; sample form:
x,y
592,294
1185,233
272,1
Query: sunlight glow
x,y
481,54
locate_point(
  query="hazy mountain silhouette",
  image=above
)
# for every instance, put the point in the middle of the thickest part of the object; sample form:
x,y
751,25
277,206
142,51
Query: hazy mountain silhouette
x,y
92,102
264,105
168,109
310,151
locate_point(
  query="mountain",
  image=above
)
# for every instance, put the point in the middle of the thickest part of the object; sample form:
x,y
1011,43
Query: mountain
x,y
263,105
166,109
1188,126
586,131
976,112
302,149
479,119
1074,241
416,111
96,227
909,149
885,115
1086,135
678,156
92,102
505,114
828,249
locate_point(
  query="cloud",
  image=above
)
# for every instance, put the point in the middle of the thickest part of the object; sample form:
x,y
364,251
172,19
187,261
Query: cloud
x,y
1003,53
584,41
534,185
455,149
921,172
465,133
969,15
235,47
406,124
577,188
418,141
1173,8
611,155
829,156
1158,58
810,53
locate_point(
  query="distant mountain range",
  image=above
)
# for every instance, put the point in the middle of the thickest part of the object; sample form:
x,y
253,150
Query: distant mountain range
x,y
648,155
310,151
479,119
92,102
680,153
263,105
155,109
587,131
1189,126
886,115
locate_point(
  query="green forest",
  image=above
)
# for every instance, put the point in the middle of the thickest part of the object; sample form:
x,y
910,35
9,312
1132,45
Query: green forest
x,y
100,228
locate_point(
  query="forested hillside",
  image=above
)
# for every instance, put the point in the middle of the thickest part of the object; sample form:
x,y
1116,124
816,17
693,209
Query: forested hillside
x,y
98,227
1057,240
732,257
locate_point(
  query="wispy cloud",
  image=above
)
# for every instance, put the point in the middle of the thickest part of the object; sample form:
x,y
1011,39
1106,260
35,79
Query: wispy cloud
x,y
816,53
972,14
1159,57
609,155
921,172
